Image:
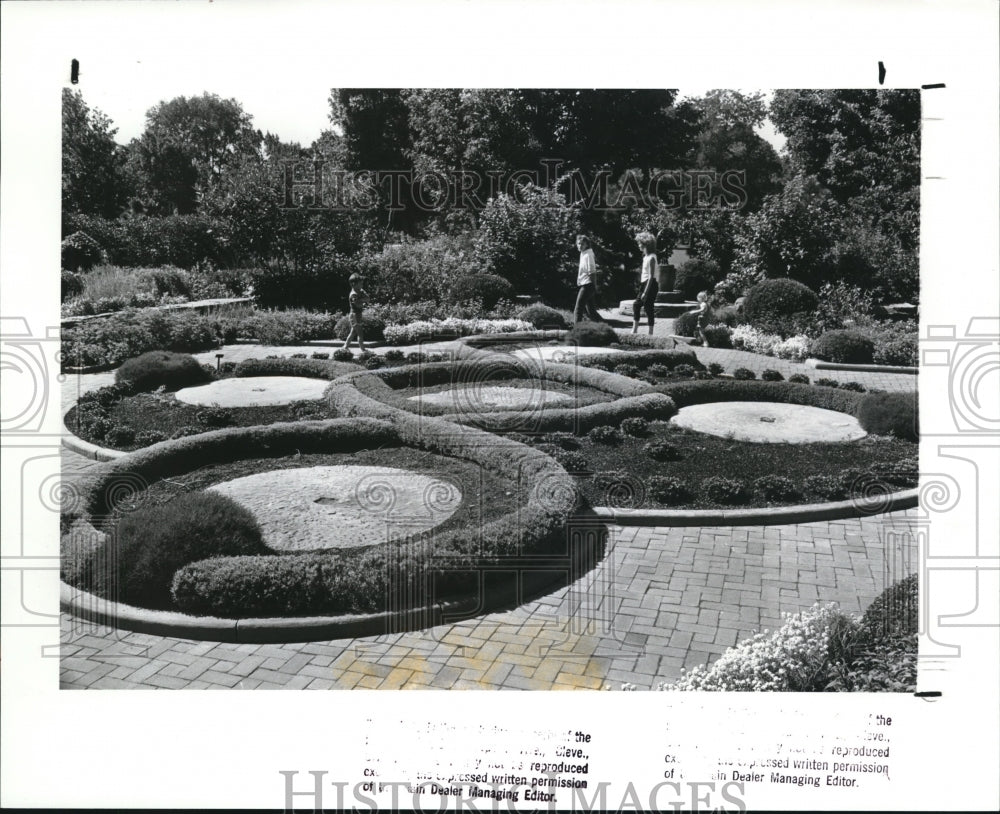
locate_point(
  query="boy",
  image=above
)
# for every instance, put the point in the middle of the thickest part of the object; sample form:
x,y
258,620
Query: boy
x,y
646,299
356,301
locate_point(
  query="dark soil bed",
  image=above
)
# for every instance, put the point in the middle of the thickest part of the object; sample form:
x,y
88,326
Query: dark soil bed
x,y
583,394
623,471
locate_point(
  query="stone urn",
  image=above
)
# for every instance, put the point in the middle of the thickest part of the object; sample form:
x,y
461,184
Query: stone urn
x,y
665,276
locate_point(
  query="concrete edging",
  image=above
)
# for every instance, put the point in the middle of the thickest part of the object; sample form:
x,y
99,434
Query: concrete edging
x,y
76,444
818,364
771,516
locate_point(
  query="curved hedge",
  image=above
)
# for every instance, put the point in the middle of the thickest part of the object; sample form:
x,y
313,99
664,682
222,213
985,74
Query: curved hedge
x,y
704,392
308,368
358,580
360,393
642,359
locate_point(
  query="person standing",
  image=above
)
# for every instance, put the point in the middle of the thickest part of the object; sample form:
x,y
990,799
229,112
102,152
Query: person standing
x,y
586,291
648,287
356,301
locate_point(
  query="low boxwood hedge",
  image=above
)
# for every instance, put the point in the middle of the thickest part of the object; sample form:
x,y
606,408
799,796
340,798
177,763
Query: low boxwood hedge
x,y
704,392
309,368
357,580
642,359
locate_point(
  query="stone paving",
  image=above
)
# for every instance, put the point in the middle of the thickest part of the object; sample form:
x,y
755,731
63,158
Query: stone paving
x,y
663,599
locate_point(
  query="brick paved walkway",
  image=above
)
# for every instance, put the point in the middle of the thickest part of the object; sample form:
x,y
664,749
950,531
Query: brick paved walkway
x,y
662,599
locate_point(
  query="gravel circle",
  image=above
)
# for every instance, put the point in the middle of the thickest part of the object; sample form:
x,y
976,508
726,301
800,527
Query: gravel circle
x,y
562,354
769,422
345,506
495,397
254,391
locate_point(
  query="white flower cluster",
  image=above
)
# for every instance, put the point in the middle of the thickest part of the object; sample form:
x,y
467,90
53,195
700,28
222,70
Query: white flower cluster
x,y
785,660
452,326
745,337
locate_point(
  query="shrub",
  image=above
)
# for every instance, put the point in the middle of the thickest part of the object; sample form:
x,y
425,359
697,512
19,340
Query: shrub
x,y
799,378
488,289
71,285
715,369
147,438
394,355
777,298
642,359
161,369
794,658
152,542
292,327
775,487
343,355
857,387
824,382
572,461
718,336
591,334
627,370
744,374
183,432
696,275
752,340
307,368
372,327
80,252
890,414
895,612
635,426
844,347
724,490
216,417
827,487
318,355
662,451
121,435
564,440
659,370
374,361
687,324
450,328
771,375
667,490
631,340
795,348
902,352
543,317
416,358
605,434
685,371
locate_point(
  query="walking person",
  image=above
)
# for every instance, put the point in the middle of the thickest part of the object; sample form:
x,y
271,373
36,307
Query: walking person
x,y
648,287
586,290
702,312
356,300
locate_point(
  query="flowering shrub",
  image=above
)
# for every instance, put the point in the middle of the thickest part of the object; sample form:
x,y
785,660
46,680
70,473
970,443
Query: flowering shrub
x,y
775,487
795,348
605,434
748,338
724,490
667,490
662,451
635,426
451,327
901,352
794,658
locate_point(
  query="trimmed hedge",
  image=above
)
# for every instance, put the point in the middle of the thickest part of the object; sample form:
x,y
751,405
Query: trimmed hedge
x,y
161,368
543,317
845,347
704,392
136,563
591,335
642,359
309,368
631,340
890,414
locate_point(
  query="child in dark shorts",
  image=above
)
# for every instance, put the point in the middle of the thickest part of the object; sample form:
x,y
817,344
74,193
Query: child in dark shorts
x,y
356,300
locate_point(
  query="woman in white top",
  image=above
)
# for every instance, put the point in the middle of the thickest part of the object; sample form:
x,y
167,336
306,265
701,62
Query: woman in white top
x,y
648,287
586,292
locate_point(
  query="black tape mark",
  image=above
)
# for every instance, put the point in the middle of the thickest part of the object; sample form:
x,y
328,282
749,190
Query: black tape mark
x,y
927,694
74,71
933,86
881,72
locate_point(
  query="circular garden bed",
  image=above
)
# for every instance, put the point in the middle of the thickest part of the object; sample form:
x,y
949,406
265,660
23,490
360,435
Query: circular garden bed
x,y
147,531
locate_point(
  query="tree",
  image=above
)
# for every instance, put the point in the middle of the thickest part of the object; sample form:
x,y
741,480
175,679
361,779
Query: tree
x,y
187,145
93,164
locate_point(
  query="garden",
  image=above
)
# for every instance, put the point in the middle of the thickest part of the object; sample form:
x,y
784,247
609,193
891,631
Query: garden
x,y
438,467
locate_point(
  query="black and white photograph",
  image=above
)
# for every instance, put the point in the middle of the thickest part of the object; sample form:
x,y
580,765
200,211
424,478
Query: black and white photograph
x,y
499,378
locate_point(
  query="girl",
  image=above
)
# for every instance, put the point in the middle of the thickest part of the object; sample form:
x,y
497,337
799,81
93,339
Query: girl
x,y
648,287
357,300
702,312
